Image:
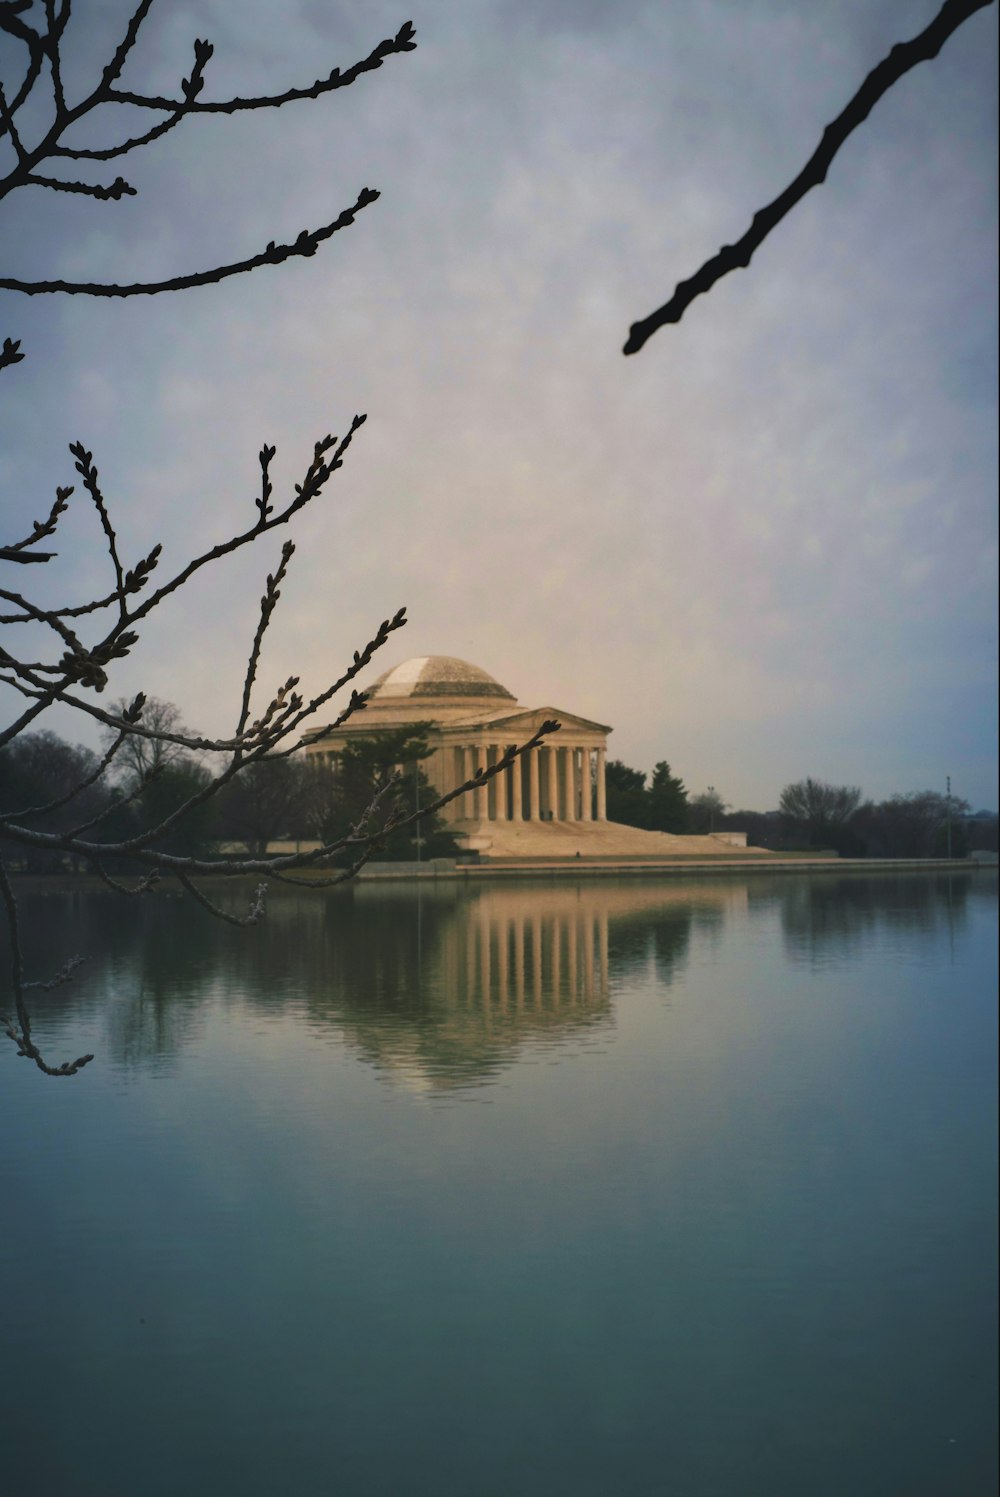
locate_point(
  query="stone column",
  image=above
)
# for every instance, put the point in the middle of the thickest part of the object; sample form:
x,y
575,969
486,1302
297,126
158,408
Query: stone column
x,y
479,794
568,755
460,806
585,785
534,805
516,808
602,793
491,787
437,773
501,782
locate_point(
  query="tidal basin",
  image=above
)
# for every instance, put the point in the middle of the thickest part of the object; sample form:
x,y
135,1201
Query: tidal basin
x,y
554,1188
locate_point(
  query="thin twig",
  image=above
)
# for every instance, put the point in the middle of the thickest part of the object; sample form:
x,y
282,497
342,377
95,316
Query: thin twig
x,y
115,190
256,909
305,245
267,606
403,41
903,57
77,789
19,1030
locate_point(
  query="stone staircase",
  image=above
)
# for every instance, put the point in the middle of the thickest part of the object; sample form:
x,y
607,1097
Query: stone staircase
x,y
496,840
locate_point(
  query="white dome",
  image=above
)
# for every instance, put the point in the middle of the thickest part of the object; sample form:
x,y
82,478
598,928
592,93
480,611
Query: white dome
x,y
436,676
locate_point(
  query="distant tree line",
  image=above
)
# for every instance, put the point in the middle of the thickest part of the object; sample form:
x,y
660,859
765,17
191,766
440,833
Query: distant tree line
x,y
288,799
273,800
811,816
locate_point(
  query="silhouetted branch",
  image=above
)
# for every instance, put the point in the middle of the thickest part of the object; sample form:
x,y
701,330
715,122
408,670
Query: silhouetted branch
x,y
63,976
71,794
40,531
18,1026
119,188
87,637
267,606
254,917
143,886
10,353
45,46
403,41
305,245
903,57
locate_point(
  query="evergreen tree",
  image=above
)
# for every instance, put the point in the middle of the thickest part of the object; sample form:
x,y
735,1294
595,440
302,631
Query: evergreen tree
x,y
668,802
627,797
339,796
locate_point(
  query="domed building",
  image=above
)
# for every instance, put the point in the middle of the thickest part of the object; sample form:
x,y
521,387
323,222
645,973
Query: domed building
x,y
550,802
473,721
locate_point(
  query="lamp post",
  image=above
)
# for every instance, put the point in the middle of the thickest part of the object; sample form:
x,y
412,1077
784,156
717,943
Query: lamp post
x,y
711,810
416,803
948,814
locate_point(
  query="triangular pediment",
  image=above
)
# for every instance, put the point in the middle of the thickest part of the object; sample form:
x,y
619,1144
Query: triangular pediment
x,y
525,721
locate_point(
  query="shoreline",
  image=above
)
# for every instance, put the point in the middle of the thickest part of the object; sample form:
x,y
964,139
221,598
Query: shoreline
x,y
445,870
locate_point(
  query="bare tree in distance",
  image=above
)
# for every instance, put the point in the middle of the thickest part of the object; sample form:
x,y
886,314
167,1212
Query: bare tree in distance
x,y
60,655
818,808
705,809
140,756
902,57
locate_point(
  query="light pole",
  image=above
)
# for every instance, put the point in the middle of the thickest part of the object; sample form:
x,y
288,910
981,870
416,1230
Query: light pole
x,y
416,803
948,814
711,810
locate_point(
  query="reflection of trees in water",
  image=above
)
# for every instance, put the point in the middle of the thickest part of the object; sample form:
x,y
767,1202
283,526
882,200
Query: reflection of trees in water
x,y
441,981
142,971
827,916
660,938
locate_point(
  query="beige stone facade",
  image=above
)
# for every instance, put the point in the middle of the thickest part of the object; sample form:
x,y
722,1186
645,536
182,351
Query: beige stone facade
x,y
474,720
551,802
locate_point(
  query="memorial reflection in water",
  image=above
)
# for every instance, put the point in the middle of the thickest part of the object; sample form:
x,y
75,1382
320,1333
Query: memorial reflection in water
x,y
438,979
438,983
444,983
538,1187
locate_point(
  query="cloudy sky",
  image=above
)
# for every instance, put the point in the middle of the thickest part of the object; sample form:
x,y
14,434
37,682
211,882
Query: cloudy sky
x,y
762,548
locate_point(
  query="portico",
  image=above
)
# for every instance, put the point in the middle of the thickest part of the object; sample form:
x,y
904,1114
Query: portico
x,y
471,722
550,803
556,782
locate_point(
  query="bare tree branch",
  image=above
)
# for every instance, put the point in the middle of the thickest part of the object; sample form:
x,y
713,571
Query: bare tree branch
x,y
10,353
119,188
18,1026
46,47
87,637
254,917
403,41
903,57
39,531
304,246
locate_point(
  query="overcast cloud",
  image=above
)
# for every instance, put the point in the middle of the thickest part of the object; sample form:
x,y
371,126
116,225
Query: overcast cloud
x,y
762,548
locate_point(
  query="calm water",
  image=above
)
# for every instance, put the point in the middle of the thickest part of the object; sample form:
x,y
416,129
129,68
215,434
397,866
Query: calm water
x,y
538,1190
